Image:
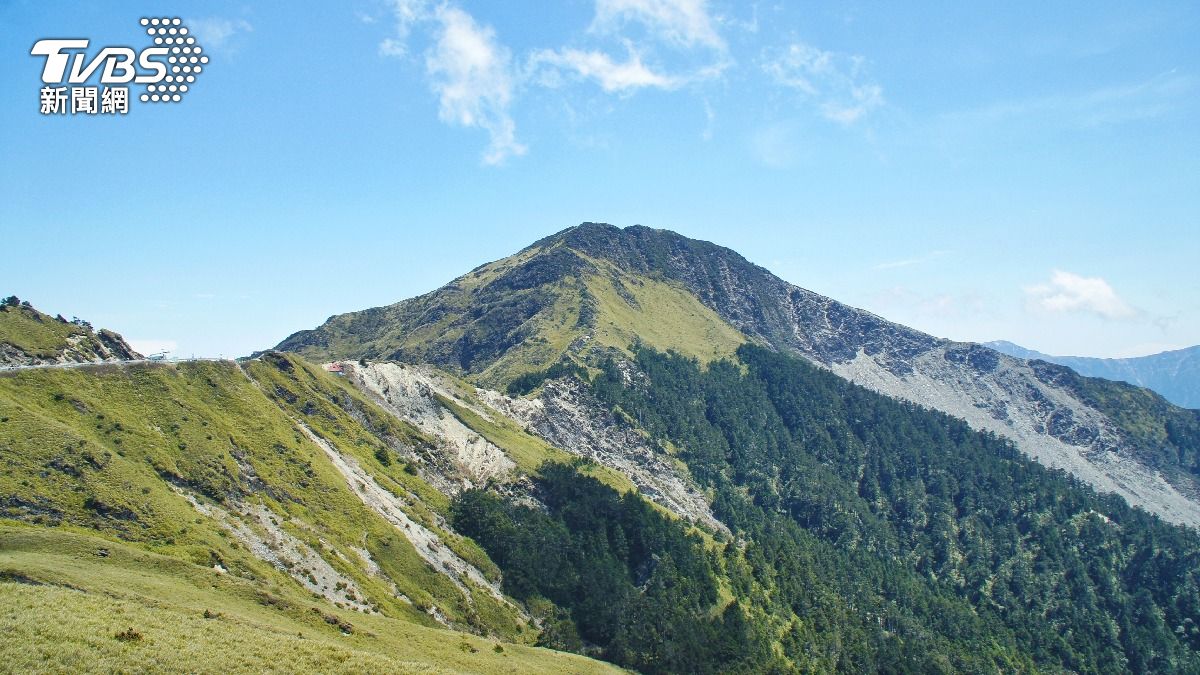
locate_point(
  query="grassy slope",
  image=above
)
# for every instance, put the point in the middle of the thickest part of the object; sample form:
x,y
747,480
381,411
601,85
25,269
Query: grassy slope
x,y
521,314
96,449
37,334
660,314
61,606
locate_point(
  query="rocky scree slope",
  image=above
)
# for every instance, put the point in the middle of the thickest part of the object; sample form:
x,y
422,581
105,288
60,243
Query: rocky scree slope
x,y
564,415
594,288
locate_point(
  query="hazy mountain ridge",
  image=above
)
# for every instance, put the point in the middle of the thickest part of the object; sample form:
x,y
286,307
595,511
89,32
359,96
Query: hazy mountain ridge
x,y
528,311
1175,375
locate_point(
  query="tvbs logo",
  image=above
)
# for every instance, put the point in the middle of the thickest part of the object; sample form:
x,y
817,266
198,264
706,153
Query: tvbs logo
x,y
167,69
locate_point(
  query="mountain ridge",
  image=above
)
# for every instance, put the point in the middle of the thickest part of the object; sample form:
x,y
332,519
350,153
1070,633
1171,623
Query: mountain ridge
x,y
30,337
538,307
1173,374
748,511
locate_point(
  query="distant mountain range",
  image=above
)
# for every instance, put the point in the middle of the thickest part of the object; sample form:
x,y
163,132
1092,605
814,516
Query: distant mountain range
x,y
1175,375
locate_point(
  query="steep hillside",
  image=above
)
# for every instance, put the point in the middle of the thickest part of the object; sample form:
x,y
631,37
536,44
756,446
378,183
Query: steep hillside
x,y
271,493
590,290
735,510
29,337
1174,375
72,602
522,314
924,515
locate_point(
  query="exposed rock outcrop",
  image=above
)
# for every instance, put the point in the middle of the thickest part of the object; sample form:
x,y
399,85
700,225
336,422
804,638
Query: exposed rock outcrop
x,y
29,338
565,415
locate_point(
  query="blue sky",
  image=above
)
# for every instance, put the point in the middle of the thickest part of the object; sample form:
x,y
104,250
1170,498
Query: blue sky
x,y
1026,171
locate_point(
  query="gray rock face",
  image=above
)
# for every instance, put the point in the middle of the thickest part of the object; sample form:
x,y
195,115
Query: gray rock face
x,y
462,458
567,416
991,391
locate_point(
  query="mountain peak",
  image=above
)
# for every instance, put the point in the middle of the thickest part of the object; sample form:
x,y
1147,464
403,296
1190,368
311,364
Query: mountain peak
x,y
637,247
595,290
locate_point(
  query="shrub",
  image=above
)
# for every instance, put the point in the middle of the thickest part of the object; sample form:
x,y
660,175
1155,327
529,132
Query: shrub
x,y
129,635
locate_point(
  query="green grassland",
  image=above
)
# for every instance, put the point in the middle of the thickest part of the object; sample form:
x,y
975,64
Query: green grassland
x,y
659,314
522,314
35,333
109,452
63,606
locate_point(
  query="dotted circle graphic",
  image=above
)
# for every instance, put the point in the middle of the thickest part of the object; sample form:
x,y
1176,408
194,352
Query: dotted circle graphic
x,y
184,58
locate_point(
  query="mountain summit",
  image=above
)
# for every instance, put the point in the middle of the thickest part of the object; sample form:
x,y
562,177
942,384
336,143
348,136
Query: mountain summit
x,y
596,289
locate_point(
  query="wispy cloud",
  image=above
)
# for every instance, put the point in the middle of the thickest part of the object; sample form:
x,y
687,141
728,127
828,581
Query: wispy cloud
x,y
472,76
406,13
667,45
470,70
836,82
392,47
685,23
710,121
476,80
216,33
612,76
909,262
1066,292
776,145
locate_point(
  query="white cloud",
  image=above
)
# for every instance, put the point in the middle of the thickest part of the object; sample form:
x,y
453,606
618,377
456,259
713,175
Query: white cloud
x,y
1067,292
406,13
214,33
685,23
153,346
710,120
834,80
472,76
612,76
